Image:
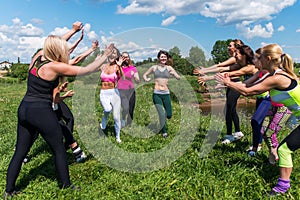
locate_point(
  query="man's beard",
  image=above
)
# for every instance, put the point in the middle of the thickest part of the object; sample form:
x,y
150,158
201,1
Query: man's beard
x,y
126,63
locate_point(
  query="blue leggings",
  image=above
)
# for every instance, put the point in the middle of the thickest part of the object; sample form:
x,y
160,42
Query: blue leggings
x,y
262,107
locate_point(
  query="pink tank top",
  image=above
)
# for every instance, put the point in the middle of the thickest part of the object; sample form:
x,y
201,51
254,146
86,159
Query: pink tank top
x,y
127,83
113,78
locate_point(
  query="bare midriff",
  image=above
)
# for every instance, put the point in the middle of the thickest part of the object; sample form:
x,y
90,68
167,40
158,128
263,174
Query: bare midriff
x,y
161,84
107,85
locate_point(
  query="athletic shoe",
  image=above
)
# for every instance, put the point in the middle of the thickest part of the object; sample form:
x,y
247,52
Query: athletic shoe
x,y
238,135
118,140
252,153
228,139
26,160
165,135
81,158
72,187
272,193
103,128
258,148
10,195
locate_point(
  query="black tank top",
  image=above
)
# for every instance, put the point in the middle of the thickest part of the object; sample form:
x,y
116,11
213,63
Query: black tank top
x,y
39,89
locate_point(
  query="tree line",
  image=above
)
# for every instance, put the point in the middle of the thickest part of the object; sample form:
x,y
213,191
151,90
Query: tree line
x,y
184,65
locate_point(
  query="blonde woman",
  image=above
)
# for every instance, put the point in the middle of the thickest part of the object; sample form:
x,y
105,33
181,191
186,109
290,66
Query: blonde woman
x,y
35,113
284,88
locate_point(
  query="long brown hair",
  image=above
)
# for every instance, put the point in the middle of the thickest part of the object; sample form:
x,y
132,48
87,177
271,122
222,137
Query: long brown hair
x,y
115,63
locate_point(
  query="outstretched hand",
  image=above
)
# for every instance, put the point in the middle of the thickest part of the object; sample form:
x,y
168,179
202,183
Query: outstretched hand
x,y
202,79
198,71
77,26
69,93
63,87
120,61
222,78
95,44
109,50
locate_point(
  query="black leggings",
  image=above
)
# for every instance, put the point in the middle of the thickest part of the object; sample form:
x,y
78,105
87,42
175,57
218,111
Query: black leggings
x,y
36,117
231,114
66,120
127,104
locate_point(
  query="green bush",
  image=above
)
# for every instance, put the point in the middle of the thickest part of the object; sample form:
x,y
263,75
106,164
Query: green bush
x,y
19,71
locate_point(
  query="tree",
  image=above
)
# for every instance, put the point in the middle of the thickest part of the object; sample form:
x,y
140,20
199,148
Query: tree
x,y
180,64
220,52
19,71
175,51
196,57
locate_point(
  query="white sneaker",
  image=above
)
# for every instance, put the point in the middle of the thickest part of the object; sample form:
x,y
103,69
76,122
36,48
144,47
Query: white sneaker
x,y
258,148
238,135
103,128
118,140
81,158
228,139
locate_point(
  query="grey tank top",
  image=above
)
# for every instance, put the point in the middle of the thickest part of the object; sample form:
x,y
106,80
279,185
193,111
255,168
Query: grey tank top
x,y
161,74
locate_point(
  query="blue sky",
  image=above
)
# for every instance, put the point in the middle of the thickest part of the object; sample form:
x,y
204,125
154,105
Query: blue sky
x,y
142,27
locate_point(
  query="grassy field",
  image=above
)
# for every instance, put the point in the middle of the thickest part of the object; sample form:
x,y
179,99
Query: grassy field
x,y
186,165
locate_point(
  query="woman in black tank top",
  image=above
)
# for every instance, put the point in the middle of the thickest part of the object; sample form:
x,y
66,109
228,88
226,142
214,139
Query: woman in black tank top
x,y
35,113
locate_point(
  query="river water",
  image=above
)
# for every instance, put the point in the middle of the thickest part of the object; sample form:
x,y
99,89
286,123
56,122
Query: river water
x,y
246,106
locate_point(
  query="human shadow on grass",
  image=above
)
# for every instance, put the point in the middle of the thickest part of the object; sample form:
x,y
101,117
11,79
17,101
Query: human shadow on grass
x,y
46,169
260,161
237,146
42,147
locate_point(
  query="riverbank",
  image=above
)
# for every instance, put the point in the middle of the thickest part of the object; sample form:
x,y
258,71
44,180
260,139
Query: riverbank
x,y
217,101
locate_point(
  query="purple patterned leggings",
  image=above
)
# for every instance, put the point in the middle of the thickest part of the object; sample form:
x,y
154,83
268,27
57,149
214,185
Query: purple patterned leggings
x,y
272,124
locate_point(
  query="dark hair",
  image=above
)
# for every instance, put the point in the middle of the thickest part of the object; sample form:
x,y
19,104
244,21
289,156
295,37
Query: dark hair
x,y
170,60
238,43
248,52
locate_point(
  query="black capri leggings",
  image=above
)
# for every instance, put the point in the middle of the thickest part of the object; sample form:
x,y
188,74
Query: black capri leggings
x,y
39,117
231,114
66,120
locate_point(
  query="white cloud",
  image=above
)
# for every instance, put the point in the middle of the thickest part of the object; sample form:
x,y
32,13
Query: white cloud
x,y
22,40
281,28
37,21
242,12
168,21
19,40
298,30
256,31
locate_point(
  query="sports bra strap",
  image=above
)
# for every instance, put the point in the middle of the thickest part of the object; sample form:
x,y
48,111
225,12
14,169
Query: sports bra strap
x,y
38,63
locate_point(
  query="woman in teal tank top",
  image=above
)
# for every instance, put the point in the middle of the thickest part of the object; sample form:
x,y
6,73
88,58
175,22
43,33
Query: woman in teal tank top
x,y
284,88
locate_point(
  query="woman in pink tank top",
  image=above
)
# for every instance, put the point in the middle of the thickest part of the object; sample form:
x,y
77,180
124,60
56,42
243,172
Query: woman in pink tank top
x,y
127,90
109,94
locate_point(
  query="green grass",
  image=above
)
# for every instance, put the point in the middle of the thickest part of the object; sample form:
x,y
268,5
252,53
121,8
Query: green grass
x,y
126,171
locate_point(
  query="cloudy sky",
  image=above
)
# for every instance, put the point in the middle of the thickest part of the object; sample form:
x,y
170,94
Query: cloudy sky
x,y
144,26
